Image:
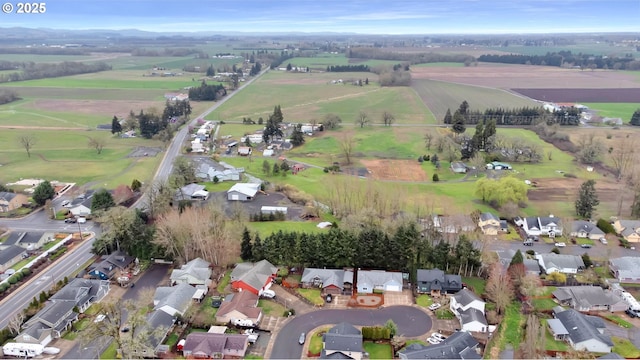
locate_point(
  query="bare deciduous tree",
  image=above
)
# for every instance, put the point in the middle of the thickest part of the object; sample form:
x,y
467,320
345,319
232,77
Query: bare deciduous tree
x,y
623,156
534,339
97,143
347,142
362,119
387,118
428,139
158,198
27,142
499,288
15,323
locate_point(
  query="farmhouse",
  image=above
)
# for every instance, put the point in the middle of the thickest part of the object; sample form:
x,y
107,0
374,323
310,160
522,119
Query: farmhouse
x,y
589,298
585,229
499,166
370,280
192,192
629,229
436,282
12,201
243,191
566,264
583,332
626,269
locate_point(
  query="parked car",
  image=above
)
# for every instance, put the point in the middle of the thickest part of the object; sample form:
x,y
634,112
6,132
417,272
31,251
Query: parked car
x,y
99,318
434,306
433,341
438,336
82,220
302,339
632,313
329,298
66,203
561,244
586,246
603,240
269,294
70,220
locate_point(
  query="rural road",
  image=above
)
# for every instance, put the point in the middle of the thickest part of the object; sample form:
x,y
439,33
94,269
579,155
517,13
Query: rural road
x,y
411,322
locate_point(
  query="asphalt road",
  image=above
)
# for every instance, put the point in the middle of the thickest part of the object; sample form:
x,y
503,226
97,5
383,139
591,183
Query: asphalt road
x,y
598,250
411,322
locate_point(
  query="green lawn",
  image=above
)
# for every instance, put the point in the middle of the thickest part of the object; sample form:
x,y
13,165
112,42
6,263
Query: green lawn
x,y
513,323
444,314
550,342
224,282
378,351
313,295
625,348
110,352
271,307
615,110
206,310
618,320
544,304
172,339
315,341
424,300
476,284
547,290
266,228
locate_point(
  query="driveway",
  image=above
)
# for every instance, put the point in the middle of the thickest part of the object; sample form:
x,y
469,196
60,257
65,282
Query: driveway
x,y
632,334
411,321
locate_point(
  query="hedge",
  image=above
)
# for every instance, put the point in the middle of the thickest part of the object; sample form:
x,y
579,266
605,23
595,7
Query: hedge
x,y
375,333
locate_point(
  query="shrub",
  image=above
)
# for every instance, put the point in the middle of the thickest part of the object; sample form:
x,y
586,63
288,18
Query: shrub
x,y
3,287
13,280
531,252
295,195
19,275
569,175
605,226
435,178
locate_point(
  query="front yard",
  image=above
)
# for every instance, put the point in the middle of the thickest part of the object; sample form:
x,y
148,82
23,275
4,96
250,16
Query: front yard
x,y
271,307
378,351
625,348
313,295
544,304
424,300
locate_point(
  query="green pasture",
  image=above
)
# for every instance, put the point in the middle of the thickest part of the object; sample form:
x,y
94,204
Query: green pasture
x,y
30,93
20,114
266,228
296,93
239,130
46,58
66,156
623,111
440,96
321,61
594,48
439,64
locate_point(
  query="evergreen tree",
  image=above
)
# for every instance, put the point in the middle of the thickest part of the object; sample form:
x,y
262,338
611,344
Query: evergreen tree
x,y
266,168
517,258
488,134
43,192
102,200
458,123
635,118
284,166
246,250
587,199
297,137
211,71
477,141
257,248
448,119
136,185
115,125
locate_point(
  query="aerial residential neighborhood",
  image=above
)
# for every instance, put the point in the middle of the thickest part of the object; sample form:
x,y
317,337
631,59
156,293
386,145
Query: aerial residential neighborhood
x,y
332,180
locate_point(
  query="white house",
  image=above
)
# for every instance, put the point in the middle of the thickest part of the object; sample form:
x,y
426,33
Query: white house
x,y
536,226
469,309
583,332
195,272
369,280
585,229
174,299
566,264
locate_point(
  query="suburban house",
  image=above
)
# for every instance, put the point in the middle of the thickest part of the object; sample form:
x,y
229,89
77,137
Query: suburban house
x,y
31,241
536,226
192,192
253,277
370,280
243,191
49,323
239,306
629,229
582,332
12,201
469,309
11,255
458,167
174,299
566,264
585,229
453,224
158,324
435,282
626,269
110,265
215,346
460,345
195,272
589,298
207,172
531,266
342,341
82,292
331,281
490,224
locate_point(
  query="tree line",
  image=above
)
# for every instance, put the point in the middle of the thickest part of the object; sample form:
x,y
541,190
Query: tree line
x,y
404,249
413,58
517,116
207,92
7,96
348,68
564,58
31,70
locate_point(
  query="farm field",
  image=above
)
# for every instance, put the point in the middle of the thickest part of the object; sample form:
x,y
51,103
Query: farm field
x,y
623,111
321,61
585,48
440,96
69,158
305,96
626,95
506,76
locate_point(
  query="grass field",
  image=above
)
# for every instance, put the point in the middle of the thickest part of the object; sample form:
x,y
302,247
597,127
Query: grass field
x,y
378,351
313,295
68,158
440,96
623,111
266,228
321,61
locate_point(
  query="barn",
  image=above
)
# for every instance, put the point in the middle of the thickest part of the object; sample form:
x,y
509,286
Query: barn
x,y
243,192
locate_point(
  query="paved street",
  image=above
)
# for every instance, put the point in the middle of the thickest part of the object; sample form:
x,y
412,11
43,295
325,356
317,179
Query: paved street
x,y
411,322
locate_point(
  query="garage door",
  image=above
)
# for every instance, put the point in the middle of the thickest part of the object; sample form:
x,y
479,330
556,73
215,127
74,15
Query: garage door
x,y
235,197
393,288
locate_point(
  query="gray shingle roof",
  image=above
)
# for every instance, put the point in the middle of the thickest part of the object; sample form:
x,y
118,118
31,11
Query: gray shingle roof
x,y
626,266
472,314
488,216
465,297
581,327
556,327
531,265
178,297
586,296
560,261
587,227
8,196
10,252
207,343
460,345
328,277
438,280
343,337
156,320
255,275
197,268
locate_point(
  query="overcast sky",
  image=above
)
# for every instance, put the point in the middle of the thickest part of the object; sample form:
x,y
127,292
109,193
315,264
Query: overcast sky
x,y
359,16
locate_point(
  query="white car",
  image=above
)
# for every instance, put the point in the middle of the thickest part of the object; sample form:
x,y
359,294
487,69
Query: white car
x,y
66,203
438,336
433,341
99,318
269,294
603,240
434,306
561,244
